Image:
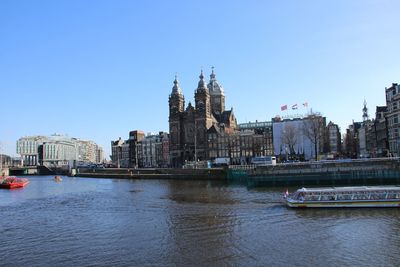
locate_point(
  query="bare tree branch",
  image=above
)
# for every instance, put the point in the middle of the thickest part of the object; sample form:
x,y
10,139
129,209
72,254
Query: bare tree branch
x,y
313,129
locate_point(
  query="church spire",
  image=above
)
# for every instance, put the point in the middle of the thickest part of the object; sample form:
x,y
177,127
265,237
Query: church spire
x,y
202,83
365,112
212,76
176,89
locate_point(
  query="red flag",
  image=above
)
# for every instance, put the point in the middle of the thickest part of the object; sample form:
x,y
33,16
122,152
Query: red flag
x,y
283,107
305,104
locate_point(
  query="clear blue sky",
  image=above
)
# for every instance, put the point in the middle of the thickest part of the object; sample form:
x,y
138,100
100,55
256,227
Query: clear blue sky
x,y
98,69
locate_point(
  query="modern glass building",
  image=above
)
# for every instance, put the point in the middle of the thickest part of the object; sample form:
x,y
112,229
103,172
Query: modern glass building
x,y
56,150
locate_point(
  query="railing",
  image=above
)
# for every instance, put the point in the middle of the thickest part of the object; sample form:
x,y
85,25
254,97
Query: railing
x,y
242,167
315,163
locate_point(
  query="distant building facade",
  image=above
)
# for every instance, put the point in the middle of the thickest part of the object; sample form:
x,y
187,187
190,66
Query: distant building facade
x,y
27,148
135,137
120,153
334,137
351,148
55,150
393,118
139,151
381,132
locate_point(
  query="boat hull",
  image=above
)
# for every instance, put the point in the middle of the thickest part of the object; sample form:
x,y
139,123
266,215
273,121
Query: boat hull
x,y
18,183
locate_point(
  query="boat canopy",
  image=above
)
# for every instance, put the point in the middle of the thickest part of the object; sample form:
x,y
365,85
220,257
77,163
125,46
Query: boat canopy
x,y
349,188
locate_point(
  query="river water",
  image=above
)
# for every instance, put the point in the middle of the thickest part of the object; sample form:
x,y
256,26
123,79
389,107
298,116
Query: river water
x,y
112,222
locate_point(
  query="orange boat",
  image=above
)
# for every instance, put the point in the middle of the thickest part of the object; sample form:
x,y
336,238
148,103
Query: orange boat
x,y
12,182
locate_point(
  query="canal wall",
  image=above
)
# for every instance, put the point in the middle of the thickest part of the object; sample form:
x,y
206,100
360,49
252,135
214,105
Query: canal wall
x,y
166,173
325,173
322,173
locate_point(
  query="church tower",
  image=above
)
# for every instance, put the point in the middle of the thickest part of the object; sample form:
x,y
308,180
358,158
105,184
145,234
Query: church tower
x,y
203,117
217,95
176,111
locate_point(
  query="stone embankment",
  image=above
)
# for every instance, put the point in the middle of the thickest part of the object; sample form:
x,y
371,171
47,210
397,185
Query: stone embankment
x,y
324,173
344,172
181,174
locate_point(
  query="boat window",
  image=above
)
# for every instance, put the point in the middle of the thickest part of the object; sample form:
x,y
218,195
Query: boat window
x,y
392,195
344,197
360,196
312,196
378,195
299,196
327,197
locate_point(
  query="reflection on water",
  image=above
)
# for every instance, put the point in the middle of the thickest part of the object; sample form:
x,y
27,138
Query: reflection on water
x,y
178,223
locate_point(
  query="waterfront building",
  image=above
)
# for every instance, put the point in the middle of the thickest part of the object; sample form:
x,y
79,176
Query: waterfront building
x,y
254,139
149,144
55,150
381,132
139,151
120,153
5,161
27,148
289,140
58,151
334,138
362,141
393,118
300,138
154,150
100,155
134,138
87,151
351,146
162,150
188,127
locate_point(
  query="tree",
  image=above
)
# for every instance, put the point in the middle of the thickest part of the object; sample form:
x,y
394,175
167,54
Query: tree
x,y
313,130
289,137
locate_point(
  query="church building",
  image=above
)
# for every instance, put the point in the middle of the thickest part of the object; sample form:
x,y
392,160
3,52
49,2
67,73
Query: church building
x,y
189,126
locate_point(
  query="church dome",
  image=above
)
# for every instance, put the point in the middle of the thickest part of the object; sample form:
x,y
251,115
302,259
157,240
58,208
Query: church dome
x,y
213,86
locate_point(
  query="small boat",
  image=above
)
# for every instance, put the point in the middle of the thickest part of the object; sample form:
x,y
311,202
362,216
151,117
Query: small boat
x,y
57,178
345,197
12,182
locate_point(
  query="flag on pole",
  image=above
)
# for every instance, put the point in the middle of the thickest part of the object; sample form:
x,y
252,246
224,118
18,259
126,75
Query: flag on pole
x,y
305,104
294,106
283,107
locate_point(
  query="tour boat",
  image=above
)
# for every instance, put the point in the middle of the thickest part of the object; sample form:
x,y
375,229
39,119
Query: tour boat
x,y
344,197
12,182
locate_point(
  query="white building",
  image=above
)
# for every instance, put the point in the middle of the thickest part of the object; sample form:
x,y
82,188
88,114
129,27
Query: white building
x,y
149,150
59,152
55,150
27,147
292,130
